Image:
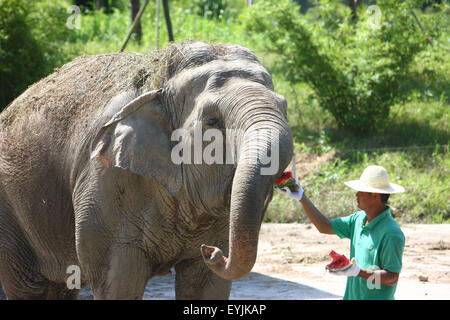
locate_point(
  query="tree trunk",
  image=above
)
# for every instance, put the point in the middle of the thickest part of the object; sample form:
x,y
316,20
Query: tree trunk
x,y
85,4
168,22
101,4
157,25
135,6
353,5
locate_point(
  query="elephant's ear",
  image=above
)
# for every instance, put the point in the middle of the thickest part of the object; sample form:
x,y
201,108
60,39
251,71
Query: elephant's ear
x,y
137,138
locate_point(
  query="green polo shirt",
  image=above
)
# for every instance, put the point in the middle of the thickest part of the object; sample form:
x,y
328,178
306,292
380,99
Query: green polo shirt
x,y
375,246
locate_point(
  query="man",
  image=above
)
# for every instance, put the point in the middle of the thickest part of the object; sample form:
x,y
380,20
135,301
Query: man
x,y
377,243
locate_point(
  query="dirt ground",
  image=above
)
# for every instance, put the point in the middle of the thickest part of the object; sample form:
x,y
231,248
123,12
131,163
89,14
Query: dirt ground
x,y
299,253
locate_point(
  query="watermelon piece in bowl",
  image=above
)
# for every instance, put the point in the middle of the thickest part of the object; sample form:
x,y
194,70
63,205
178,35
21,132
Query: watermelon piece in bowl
x,y
287,180
340,262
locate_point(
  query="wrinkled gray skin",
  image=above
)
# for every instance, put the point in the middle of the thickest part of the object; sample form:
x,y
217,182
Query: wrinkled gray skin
x,y
93,184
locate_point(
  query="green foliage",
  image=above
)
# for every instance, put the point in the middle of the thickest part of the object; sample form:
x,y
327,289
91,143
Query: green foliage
x,y
97,27
356,70
31,37
211,9
16,45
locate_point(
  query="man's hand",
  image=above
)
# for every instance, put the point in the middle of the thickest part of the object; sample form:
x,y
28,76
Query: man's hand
x,y
353,271
298,195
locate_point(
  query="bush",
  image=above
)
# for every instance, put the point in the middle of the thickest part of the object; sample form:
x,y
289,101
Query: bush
x,y
31,37
211,9
356,70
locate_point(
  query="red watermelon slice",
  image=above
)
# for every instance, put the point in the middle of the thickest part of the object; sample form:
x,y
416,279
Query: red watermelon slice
x,y
287,180
340,262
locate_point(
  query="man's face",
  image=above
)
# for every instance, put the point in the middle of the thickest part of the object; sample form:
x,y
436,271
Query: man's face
x,y
366,200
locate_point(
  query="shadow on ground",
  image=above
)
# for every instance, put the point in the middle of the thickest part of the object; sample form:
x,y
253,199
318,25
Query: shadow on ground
x,y
254,286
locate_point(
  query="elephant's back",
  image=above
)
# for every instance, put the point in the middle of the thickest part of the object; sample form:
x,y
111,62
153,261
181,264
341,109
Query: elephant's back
x,y
76,90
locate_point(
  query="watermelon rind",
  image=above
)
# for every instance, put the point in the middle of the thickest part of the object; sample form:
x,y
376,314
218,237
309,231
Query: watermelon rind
x,y
288,183
339,269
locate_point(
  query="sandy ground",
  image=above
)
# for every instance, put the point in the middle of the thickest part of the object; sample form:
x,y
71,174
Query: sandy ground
x,y
291,266
298,253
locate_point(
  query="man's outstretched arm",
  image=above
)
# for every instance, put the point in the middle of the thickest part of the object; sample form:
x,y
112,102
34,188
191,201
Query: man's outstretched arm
x,y
321,222
317,218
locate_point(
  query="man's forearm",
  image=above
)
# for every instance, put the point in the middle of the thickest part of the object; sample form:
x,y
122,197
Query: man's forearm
x,y
317,218
383,277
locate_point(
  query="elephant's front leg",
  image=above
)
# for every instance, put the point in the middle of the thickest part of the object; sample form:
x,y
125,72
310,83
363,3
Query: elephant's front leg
x,y
125,276
194,281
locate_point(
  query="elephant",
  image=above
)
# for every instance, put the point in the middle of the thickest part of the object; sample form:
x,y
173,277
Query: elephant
x,y
92,193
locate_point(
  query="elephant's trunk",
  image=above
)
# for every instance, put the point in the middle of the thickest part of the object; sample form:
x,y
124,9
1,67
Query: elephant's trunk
x,y
251,186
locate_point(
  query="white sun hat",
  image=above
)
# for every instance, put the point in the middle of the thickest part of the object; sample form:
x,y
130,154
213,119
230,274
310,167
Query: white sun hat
x,y
375,179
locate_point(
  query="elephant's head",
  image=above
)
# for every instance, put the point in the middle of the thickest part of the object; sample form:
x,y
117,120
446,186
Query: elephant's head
x,y
215,128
